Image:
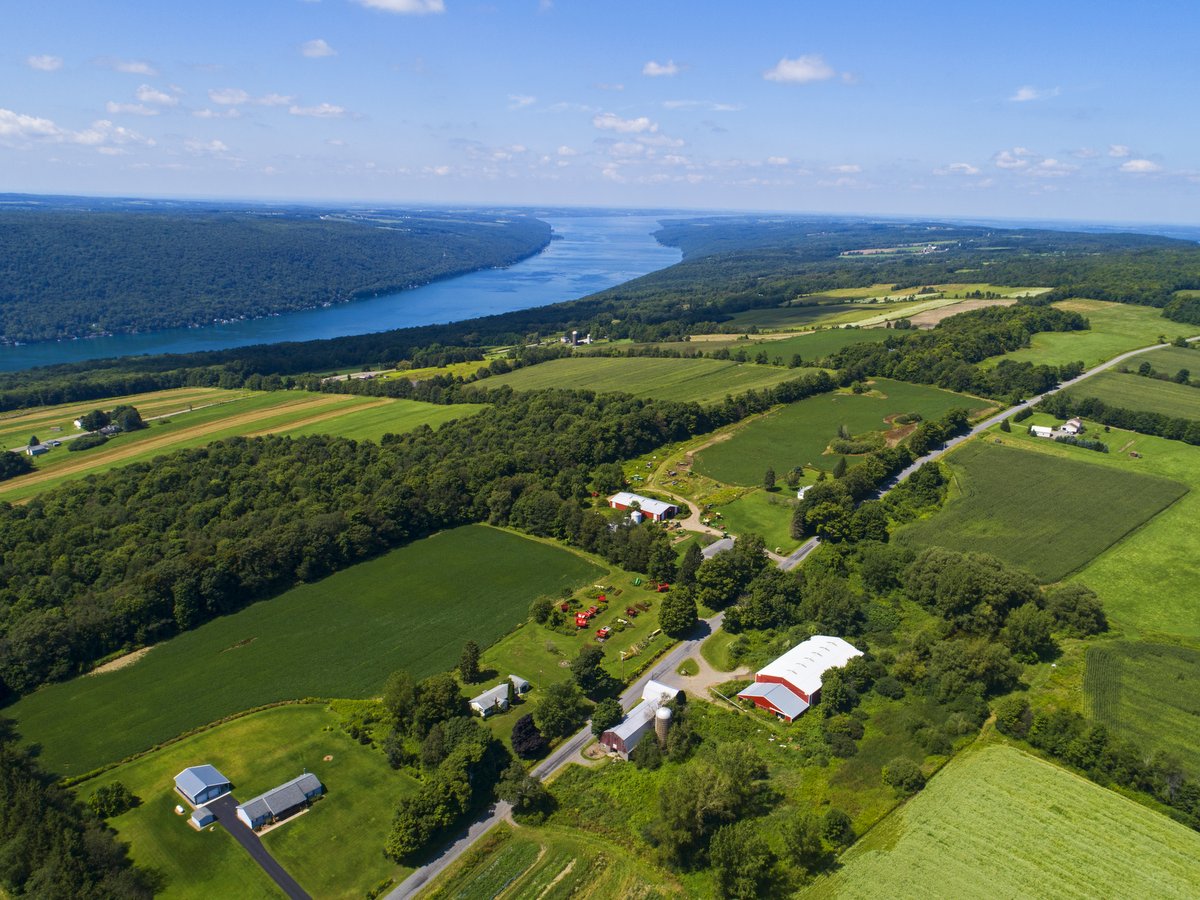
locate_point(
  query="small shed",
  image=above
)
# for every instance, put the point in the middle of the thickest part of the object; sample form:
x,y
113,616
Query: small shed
x,y
279,803
520,685
1041,431
200,784
493,701
37,449
202,816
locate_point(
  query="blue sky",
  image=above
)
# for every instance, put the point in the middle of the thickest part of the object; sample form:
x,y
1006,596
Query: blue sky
x,y
1032,110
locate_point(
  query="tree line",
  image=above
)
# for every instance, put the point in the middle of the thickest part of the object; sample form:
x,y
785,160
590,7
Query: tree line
x,y
1066,405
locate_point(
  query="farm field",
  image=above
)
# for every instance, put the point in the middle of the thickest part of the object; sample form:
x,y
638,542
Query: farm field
x,y
549,863
767,514
1148,693
1115,328
1049,515
222,415
413,608
799,434
333,850
787,317
998,822
1171,359
699,380
1144,394
819,344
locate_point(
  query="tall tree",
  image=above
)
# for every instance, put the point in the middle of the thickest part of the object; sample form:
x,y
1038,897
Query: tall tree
x,y
468,663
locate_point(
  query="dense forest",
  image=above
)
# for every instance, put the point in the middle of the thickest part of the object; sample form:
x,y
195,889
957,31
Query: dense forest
x,y
71,273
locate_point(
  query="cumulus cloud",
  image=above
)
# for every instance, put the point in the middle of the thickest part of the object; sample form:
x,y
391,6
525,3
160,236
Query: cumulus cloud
x,y
564,150
16,126
317,48
612,122
1140,167
147,94
1052,168
1118,151
1016,158
205,148
1028,92
520,101
239,97
1085,153
777,160
406,7
44,63
960,168
128,66
320,111
129,109
801,70
230,113
846,169
656,69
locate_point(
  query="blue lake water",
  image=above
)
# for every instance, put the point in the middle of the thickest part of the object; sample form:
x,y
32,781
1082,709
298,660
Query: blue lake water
x,y
590,253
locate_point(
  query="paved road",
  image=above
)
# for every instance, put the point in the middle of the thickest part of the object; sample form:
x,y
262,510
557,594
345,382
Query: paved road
x,y
225,809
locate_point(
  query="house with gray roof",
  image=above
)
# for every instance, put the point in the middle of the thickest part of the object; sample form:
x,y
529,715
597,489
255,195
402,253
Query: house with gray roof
x,y
279,803
200,784
493,701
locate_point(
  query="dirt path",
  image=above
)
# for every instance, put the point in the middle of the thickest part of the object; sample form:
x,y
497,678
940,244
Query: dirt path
x,y
121,662
708,677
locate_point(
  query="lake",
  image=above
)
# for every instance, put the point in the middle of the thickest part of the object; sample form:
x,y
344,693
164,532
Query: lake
x,y
589,254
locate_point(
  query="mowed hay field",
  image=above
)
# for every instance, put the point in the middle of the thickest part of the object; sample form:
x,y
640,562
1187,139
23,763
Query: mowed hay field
x,y
333,850
820,344
700,380
1148,693
1144,394
1115,328
799,433
998,822
413,608
217,415
1046,514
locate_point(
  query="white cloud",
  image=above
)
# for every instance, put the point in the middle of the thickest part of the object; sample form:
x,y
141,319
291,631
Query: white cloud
x,y
129,66
406,7
130,109
660,70
520,101
960,168
148,94
801,70
659,140
777,161
205,148
320,111
45,63
1052,168
317,48
848,169
1028,92
105,133
1016,158
606,86
274,100
230,113
1140,167
627,149
1085,153
564,150
16,126
1118,151
611,122
229,96
700,104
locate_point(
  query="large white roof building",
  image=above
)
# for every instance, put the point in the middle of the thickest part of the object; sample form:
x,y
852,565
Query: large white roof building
x,y
789,685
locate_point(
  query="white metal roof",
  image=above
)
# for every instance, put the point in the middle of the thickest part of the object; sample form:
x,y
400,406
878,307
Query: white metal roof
x,y
803,665
778,696
195,779
656,690
654,507
496,695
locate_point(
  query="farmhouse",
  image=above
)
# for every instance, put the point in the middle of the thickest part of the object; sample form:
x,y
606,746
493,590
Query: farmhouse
x,y
792,683
622,738
493,701
281,802
199,784
1072,426
653,509
1041,431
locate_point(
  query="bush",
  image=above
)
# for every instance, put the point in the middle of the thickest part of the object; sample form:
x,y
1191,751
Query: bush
x,y
1022,414
527,740
87,442
1076,610
904,775
889,687
1013,716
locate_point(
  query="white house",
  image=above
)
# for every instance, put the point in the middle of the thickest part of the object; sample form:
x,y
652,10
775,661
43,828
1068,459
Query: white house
x,y
491,701
1041,431
1073,426
790,684
656,510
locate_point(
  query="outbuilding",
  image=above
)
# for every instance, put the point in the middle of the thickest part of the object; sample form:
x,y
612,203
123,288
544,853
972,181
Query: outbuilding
x,y
790,684
1041,431
202,817
200,784
37,449
622,738
655,510
493,701
281,802
520,684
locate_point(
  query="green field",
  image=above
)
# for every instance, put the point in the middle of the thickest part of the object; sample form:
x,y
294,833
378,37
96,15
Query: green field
x,y
700,380
1148,693
213,415
796,316
1115,328
820,344
798,434
1171,359
340,637
1001,823
1047,514
1144,394
768,514
334,850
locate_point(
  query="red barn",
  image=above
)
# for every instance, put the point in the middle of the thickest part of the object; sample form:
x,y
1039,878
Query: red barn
x,y
792,683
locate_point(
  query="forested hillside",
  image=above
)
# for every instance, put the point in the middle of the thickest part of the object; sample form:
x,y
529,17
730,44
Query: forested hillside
x,y
72,272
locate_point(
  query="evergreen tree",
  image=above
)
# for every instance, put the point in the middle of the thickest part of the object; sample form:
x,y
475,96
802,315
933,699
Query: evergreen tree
x,y
468,663
769,479
839,467
692,557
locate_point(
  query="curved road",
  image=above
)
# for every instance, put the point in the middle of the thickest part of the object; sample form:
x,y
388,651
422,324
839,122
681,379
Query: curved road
x,y
569,750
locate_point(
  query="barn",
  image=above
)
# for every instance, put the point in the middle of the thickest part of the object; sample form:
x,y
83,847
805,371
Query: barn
x,y
199,784
622,738
656,510
790,684
1041,431
279,803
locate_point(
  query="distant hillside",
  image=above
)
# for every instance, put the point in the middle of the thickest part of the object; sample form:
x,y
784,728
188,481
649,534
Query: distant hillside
x,y
71,272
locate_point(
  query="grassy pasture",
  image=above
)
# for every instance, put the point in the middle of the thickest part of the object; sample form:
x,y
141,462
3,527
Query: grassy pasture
x,y
1115,328
793,316
768,514
1146,394
799,434
1001,823
340,637
820,344
1148,693
1171,359
333,850
216,415
701,380
1047,514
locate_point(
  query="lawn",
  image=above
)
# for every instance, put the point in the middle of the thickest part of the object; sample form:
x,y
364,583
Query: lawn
x,y
799,434
1148,693
998,822
1145,394
333,850
767,514
413,608
700,380
1115,328
1047,514
217,415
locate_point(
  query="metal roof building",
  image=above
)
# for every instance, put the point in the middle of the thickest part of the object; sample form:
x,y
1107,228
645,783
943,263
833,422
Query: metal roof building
x,y
622,738
655,509
494,700
281,802
199,784
788,685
